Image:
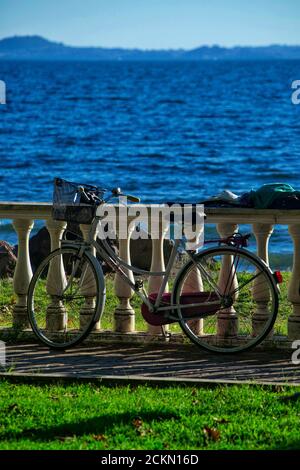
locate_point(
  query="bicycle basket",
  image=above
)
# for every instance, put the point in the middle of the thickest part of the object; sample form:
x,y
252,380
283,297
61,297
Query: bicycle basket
x,y
70,204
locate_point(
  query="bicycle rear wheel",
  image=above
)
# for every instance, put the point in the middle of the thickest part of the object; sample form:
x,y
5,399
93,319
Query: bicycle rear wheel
x,y
65,298
226,300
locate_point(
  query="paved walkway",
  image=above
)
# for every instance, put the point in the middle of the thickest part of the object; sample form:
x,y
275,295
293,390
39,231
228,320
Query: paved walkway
x,y
151,362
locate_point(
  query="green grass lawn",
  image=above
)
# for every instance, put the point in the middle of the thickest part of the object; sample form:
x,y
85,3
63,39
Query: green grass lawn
x,y
96,417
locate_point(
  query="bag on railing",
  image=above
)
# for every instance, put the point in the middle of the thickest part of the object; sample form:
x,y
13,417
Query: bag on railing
x,y
73,202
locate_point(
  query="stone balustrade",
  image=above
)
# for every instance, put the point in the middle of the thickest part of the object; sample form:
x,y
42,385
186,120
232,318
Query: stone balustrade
x,y
227,221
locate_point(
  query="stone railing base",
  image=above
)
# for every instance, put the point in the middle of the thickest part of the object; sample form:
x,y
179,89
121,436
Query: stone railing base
x,y
11,335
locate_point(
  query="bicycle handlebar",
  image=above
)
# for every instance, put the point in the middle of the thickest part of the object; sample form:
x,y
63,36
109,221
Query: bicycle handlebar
x,y
89,197
132,198
117,192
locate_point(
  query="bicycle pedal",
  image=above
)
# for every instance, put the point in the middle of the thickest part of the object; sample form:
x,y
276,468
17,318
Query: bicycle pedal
x,y
166,334
139,284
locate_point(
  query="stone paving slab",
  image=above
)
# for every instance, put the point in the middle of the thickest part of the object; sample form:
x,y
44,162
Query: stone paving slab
x,y
151,362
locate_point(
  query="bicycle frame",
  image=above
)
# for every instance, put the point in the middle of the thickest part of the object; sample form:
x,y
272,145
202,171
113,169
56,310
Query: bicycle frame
x,y
116,263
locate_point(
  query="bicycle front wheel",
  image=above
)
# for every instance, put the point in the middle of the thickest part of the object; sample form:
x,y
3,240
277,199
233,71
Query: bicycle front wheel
x,y
65,298
226,300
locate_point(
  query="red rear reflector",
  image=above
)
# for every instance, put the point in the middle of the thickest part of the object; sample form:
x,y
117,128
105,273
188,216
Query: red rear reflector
x,y
278,277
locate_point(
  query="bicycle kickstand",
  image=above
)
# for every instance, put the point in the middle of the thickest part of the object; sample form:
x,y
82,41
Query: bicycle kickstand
x,y
166,334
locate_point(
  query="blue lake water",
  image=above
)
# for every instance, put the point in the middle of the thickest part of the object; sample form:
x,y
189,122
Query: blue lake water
x,y
165,131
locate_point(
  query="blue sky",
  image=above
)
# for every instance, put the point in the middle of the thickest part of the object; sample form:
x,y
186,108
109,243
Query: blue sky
x,y
154,23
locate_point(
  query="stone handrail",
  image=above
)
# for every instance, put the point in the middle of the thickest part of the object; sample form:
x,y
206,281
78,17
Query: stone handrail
x,y
226,219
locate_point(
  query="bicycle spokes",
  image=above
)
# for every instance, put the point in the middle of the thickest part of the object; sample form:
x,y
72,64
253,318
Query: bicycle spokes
x,y
247,296
63,298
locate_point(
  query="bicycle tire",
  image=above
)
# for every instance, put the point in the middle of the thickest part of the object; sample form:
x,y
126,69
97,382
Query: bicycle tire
x,y
212,340
71,325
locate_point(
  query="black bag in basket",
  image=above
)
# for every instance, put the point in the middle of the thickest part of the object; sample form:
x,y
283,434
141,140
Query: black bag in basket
x,y
73,202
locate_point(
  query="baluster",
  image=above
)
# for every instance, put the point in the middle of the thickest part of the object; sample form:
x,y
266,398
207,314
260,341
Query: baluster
x,y
124,314
88,289
56,317
227,318
261,296
294,286
193,283
158,265
23,272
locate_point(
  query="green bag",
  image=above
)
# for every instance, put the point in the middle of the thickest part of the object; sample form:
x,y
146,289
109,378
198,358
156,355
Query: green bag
x,y
267,194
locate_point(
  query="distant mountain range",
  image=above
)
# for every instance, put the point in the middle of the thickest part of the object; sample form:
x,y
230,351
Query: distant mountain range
x,y
38,48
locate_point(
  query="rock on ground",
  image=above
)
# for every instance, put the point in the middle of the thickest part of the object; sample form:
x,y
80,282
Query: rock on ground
x,y
7,260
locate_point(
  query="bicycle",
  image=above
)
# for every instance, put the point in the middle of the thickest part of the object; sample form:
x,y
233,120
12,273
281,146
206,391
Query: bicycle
x,y
224,298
